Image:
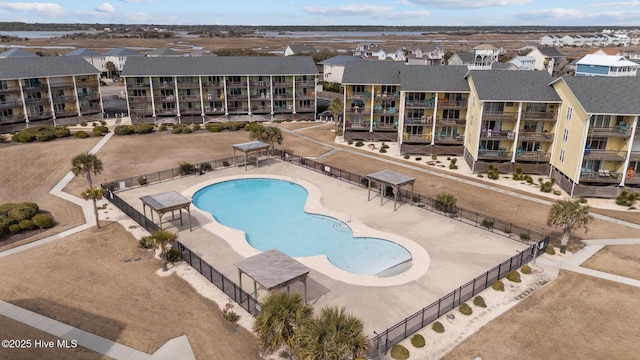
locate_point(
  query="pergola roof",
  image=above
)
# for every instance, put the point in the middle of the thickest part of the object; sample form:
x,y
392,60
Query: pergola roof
x,y
251,146
166,201
273,269
391,177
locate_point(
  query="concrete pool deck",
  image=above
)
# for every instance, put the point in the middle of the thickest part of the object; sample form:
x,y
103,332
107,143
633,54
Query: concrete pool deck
x,y
457,252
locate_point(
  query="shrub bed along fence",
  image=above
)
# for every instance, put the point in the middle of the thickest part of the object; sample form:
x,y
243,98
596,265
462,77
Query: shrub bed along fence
x,y
383,341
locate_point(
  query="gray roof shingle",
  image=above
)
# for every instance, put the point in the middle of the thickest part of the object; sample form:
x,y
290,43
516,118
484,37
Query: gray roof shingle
x,y
219,65
550,52
499,85
434,78
84,52
373,72
32,67
606,95
341,60
122,51
16,53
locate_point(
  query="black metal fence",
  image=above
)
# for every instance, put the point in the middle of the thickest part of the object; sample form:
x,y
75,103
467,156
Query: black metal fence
x,y
244,299
384,340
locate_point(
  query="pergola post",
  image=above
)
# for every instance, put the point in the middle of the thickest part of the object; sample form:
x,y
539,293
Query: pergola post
x,y
395,197
381,193
240,283
369,187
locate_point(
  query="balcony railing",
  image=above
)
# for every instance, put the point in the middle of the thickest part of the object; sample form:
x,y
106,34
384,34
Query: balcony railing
x,y
214,110
283,96
535,136
305,83
87,83
195,97
63,99
141,112
163,85
381,110
190,111
449,139
358,95
494,154
88,96
620,131
282,84
11,119
166,111
360,125
634,156
499,116
358,110
212,84
538,116
188,85
387,95
497,134
419,103
66,113
418,120
139,99
604,155
164,98
600,177
33,86
4,90
260,109
10,104
449,104
384,126
40,115
62,85
538,155
418,139
137,85
32,101
452,122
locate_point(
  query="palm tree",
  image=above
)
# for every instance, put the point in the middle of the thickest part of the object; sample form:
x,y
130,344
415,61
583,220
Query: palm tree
x,y
163,238
569,215
86,164
446,202
111,68
332,335
336,108
93,194
270,134
281,315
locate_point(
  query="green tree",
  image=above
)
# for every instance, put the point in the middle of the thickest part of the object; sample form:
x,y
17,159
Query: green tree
x,y
111,68
569,215
332,335
446,202
268,134
162,238
93,194
86,164
336,108
281,315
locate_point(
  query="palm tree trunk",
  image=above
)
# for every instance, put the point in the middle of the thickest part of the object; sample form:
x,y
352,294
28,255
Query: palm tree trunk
x,y
564,240
95,211
89,179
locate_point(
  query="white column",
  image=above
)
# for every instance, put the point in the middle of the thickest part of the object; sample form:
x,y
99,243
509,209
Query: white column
x,y
400,128
248,95
75,89
517,132
435,116
153,100
24,102
175,87
53,109
629,146
201,98
100,94
271,91
373,98
224,88
293,78
126,95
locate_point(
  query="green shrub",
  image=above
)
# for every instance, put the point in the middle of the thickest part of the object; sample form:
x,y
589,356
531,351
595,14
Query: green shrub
x,y
43,221
550,250
507,230
446,202
407,157
465,309
399,352
196,126
528,179
81,134
384,146
480,175
627,198
142,180
383,150
100,130
524,236
452,164
186,169
103,123
22,212
350,142
61,132
434,157
214,127
418,158
205,166
15,228
83,123
492,172
417,340
546,186
26,225
146,242
163,127
181,129
225,163
231,316
173,255
498,285
359,144
479,301
525,269
488,223
123,130
438,327
514,276
517,175
38,133
143,128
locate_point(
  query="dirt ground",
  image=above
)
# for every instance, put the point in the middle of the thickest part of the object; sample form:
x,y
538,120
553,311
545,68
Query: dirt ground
x,y
572,317
623,260
83,281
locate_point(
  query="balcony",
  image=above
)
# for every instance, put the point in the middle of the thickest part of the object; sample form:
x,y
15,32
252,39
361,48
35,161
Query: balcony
x,y
360,125
602,177
63,99
139,99
452,122
281,84
619,131
237,96
166,112
11,119
305,83
188,85
494,154
65,85
88,96
66,113
538,116
358,95
215,110
377,126
4,90
535,136
303,96
163,85
283,96
36,101
497,134
87,83
190,111
260,109
90,109
423,120
604,155
137,85
449,104
417,138
419,103
164,98
533,156
387,95
499,116
40,115
141,112
212,84
449,140
300,108
10,104
195,97
37,86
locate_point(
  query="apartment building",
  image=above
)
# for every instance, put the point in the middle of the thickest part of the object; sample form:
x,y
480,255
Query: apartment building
x,y
511,120
605,65
48,91
597,150
549,59
198,89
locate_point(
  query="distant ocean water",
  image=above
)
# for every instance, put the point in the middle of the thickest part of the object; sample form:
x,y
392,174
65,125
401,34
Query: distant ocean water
x,y
42,34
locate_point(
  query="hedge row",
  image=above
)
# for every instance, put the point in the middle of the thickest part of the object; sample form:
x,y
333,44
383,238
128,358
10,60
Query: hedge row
x,y
41,133
22,216
133,129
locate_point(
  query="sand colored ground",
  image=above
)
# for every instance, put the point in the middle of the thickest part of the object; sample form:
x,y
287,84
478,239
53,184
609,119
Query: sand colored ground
x,y
42,286
623,260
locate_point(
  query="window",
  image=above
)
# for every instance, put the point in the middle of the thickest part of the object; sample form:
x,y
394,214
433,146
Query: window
x,y
561,155
591,165
31,83
166,79
166,92
412,96
414,130
4,85
389,89
600,121
448,131
59,107
357,88
236,79
415,113
140,92
565,135
388,104
450,114
387,120
596,143
569,113
6,112
277,79
304,103
235,91
536,107
36,110
490,144
494,107
530,146
533,126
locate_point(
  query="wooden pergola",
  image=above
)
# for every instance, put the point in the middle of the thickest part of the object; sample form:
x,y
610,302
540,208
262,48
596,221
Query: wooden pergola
x,y
393,179
249,147
164,202
273,270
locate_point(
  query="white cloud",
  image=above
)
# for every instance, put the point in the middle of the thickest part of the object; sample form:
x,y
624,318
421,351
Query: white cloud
x,y
348,10
561,16
105,8
137,1
405,15
615,4
465,4
47,9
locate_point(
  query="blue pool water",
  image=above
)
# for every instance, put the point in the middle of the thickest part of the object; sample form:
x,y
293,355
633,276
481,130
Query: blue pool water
x,y
271,214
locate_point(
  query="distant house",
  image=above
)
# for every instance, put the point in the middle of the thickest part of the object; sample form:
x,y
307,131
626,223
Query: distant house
x,y
549,59
94,58
299,50
550,40
364,49
605,65
13,53
417,56
333,68
118,57
160,52
395,54
607,51
524,62
504,66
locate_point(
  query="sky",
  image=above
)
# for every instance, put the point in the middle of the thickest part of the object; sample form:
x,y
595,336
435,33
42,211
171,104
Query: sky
x,y
328,12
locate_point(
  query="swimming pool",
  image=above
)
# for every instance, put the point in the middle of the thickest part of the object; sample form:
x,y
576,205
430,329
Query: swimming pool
x,y
271,214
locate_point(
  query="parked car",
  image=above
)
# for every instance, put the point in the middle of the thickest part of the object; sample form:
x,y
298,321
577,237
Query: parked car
x,y
325,115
